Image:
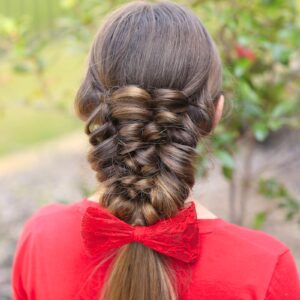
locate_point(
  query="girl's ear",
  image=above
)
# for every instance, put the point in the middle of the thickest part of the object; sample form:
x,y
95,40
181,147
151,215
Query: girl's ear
x,y
219,104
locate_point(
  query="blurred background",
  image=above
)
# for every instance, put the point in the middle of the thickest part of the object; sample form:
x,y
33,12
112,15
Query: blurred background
x,y
248,171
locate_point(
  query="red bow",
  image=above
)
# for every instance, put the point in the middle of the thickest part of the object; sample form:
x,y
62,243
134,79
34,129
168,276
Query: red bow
x,y
176,237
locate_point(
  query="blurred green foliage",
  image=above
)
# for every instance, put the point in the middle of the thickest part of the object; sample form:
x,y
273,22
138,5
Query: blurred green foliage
x,y
260,47
281,198
259,43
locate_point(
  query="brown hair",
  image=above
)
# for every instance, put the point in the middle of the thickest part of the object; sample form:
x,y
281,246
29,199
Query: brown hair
x,y
148,96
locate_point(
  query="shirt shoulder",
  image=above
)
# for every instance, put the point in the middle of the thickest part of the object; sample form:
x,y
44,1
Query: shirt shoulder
x,y
49,239
240,262
51,210
251,240
52,227
285,282
53,217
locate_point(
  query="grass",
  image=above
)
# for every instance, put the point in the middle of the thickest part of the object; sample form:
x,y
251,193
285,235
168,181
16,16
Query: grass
x,y
22,127
27,116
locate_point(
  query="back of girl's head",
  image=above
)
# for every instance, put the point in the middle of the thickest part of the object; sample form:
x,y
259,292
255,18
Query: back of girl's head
x,y
148,97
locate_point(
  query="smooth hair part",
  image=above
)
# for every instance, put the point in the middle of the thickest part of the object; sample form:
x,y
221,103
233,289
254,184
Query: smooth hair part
x,y
148,96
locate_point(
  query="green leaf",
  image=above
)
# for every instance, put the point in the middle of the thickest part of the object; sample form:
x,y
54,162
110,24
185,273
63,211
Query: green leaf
x,y
241,67
62,200
227,172
260,131
282,109
275,124
247,93
269,187
282,205
281,54
225,158
289,216
222,137
259,219
21,68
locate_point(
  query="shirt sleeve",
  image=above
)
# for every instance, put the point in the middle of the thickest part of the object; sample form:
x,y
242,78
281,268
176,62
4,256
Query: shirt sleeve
x,y
285,283
21,263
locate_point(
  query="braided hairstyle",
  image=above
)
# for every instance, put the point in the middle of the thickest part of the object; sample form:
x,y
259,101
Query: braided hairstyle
x,y
148,96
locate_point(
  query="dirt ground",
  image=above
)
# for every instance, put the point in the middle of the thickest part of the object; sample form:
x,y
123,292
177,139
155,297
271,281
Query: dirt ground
x,y
58,171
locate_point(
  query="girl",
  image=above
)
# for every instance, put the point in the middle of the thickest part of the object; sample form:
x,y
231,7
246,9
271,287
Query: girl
x,y
152,91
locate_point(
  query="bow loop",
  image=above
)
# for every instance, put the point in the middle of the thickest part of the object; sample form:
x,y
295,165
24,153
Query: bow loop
x,y
176,237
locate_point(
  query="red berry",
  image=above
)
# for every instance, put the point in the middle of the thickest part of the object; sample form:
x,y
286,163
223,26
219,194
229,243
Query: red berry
x,y
245,52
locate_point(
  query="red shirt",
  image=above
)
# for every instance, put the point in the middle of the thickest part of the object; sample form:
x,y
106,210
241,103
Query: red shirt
x,y
236,263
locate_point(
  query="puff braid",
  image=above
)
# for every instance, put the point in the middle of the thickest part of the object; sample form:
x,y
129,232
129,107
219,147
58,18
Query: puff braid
x,y
143,151
147,98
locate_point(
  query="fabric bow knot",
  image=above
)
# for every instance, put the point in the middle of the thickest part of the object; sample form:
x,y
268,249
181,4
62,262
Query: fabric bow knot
x,y
176,237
